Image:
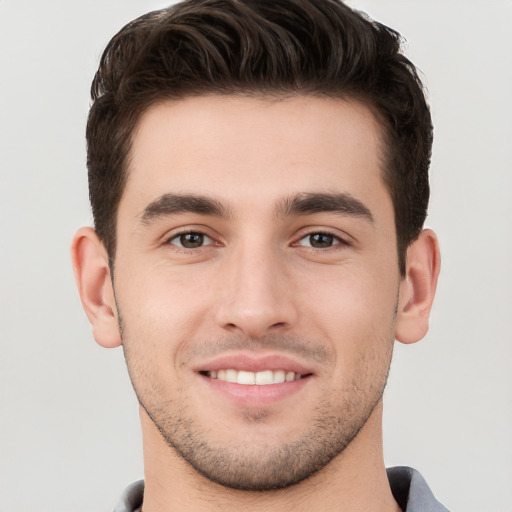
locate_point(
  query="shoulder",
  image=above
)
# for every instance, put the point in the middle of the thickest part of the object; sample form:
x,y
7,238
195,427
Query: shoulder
x,y
131,499
411,491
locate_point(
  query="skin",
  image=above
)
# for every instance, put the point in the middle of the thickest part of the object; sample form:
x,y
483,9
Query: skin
x,y
257,284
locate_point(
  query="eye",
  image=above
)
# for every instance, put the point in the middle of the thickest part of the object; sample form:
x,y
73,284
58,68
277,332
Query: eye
x,y
320,240
191,240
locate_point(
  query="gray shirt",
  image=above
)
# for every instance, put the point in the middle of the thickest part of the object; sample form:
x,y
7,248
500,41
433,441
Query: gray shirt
x,y
409,489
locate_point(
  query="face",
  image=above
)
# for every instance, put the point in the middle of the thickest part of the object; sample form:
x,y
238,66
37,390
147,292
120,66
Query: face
x,y
256,282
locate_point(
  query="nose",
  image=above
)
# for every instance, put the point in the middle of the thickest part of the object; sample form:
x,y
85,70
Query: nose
x,y
256,295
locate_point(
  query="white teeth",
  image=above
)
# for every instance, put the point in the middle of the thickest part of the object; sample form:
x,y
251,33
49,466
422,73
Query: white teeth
x,y
265,377
279,376
231,375
262,378
245,377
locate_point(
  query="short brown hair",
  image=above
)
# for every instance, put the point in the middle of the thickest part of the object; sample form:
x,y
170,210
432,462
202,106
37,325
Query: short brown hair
x,y
256,47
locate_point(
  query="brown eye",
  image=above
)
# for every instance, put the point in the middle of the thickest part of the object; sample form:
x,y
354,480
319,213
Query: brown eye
x,y
191,240
320,241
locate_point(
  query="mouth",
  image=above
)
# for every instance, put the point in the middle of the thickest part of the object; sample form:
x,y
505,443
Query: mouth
x,y
260,378
254,380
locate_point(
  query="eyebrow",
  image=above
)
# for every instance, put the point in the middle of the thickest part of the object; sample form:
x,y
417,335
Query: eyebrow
x,y
299,204
172,204
311,203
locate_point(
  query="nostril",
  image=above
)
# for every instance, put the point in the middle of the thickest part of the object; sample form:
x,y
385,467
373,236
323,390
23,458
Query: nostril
x,y
254,320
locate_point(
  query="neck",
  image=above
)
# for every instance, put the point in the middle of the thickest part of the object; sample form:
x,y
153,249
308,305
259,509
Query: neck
x,y
355,480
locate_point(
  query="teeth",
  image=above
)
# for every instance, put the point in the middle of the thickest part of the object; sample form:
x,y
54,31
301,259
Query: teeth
x,y
245,378
279,376
265,377
250,378
231,376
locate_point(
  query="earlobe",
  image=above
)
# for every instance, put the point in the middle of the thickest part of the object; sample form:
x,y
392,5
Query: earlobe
x,y
92,276
418,288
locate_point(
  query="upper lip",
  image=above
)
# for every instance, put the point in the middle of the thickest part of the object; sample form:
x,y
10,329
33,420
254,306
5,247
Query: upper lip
x,y
253,362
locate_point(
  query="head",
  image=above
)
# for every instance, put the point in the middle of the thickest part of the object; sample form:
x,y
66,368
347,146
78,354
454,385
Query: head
x,y
266,49
258,176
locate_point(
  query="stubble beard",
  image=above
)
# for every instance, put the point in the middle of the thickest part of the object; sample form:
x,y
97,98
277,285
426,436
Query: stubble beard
x,y
263,468
271,466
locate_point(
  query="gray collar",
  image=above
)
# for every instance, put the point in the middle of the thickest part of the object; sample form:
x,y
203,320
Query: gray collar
x,y
409,489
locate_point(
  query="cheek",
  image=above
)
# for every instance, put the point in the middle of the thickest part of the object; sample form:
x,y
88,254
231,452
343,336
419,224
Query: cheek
x,y
163,310
355,313
351,296
162,296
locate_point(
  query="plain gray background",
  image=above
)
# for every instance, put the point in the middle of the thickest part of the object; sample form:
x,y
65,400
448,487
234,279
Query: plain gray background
x,y
69,433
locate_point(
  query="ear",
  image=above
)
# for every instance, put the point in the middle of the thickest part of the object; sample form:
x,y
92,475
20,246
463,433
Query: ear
x,y
92,276
418,288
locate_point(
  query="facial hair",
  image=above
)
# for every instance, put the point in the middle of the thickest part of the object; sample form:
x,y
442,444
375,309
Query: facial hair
x,y
334,423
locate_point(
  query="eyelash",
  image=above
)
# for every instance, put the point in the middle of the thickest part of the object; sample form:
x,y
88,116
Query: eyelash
x,y
178,236
335,240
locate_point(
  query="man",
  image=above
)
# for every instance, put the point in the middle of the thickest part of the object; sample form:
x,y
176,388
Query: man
x,y
258,176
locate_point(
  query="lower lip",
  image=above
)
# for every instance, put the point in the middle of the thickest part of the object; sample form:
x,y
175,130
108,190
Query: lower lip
x,y
256,395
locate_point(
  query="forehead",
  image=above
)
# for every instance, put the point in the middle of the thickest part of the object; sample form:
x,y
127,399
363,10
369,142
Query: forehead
x,y
254,151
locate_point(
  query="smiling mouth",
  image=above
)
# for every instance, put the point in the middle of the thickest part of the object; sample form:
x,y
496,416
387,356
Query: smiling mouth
x,y
262,378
